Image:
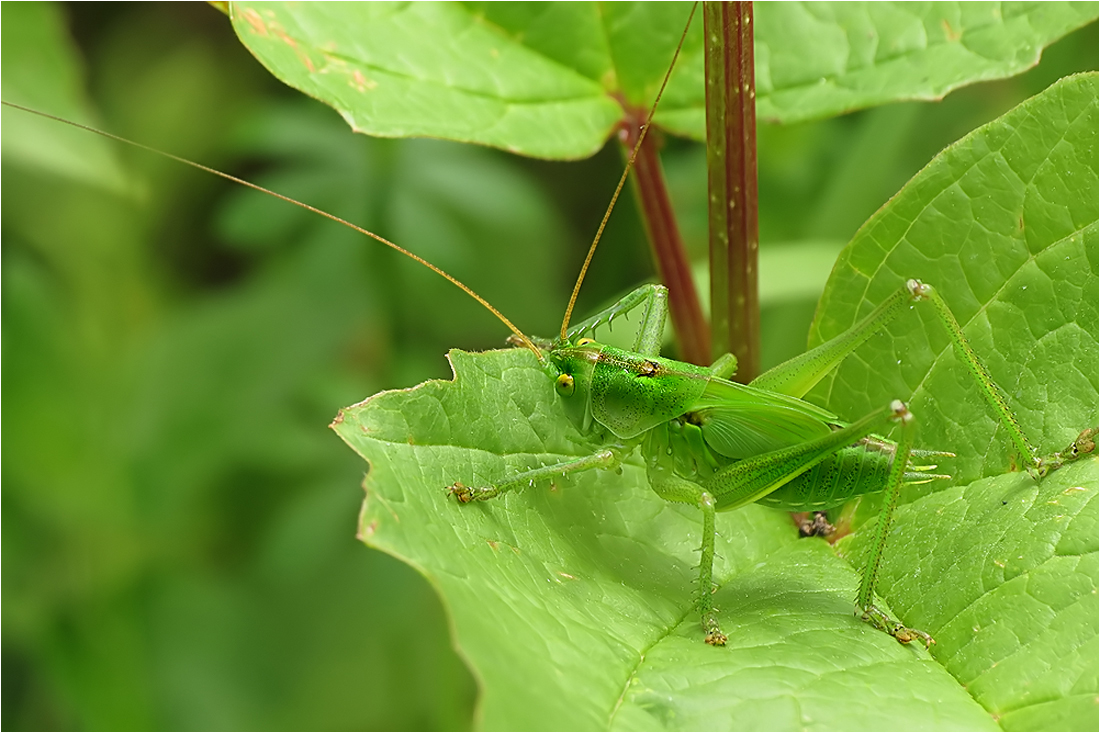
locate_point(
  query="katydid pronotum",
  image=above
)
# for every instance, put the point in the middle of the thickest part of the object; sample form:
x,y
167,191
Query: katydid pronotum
x,y
685,429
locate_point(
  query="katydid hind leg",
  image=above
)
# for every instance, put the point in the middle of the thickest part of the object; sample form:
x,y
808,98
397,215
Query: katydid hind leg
x,y
876,546
798,375
754,478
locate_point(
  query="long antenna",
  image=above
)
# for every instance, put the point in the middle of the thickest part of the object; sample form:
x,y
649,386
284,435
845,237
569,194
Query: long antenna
x,y
622,179
465,288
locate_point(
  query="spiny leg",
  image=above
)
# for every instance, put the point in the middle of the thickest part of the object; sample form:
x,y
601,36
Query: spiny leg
x,y
866,596
712,632
653,299
796,376
671,487
606,458
986,385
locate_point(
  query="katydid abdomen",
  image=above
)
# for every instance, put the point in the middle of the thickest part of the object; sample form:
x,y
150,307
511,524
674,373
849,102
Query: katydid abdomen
x,y
855,470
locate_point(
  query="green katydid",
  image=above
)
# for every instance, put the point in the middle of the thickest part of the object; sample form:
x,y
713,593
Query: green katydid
x,y
720,445
689,429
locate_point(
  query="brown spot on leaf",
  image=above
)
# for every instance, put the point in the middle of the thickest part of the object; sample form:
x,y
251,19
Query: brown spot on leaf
x,y
253,19
367,531
362,83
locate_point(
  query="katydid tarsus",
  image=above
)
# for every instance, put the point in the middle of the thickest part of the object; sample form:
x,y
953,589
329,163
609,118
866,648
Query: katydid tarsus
x,y
719,445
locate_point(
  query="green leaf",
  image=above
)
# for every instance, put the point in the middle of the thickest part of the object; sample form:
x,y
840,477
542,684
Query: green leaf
x,y
572,603
1003,572
550,79
534,79
1004,224
817,60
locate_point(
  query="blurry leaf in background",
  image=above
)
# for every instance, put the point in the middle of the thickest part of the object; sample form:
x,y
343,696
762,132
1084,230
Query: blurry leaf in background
x,y
167,566
543,80
52,83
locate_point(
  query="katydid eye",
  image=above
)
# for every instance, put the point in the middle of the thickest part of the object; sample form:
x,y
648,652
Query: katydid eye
x,y
564,385
585,342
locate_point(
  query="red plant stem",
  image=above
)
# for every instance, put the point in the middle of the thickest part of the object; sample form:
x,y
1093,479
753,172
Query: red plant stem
x,y
673,265
731,174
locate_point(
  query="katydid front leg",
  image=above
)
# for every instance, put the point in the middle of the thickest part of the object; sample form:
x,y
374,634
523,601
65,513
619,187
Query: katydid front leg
x,y
607,458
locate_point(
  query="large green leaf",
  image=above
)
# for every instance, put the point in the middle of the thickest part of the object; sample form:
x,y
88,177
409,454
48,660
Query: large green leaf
x,y
572,603
816,60
1004,223
549,79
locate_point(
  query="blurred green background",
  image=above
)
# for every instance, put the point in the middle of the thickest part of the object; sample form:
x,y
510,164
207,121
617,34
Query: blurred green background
x,y
166,565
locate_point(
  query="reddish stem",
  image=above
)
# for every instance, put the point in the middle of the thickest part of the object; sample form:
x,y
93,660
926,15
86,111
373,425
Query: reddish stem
x,y
731,173
673,265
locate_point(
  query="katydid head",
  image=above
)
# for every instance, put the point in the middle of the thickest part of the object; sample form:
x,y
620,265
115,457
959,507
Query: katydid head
x,y
572,366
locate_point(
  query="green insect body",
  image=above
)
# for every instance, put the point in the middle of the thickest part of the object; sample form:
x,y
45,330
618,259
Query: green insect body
x,y
692,423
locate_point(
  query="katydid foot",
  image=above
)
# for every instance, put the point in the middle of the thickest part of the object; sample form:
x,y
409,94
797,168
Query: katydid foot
x,y
714,635
463,493
881,621
814,524
1083,445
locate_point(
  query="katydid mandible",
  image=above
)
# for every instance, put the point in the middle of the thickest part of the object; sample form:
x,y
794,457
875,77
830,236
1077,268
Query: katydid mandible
x,y
719,445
